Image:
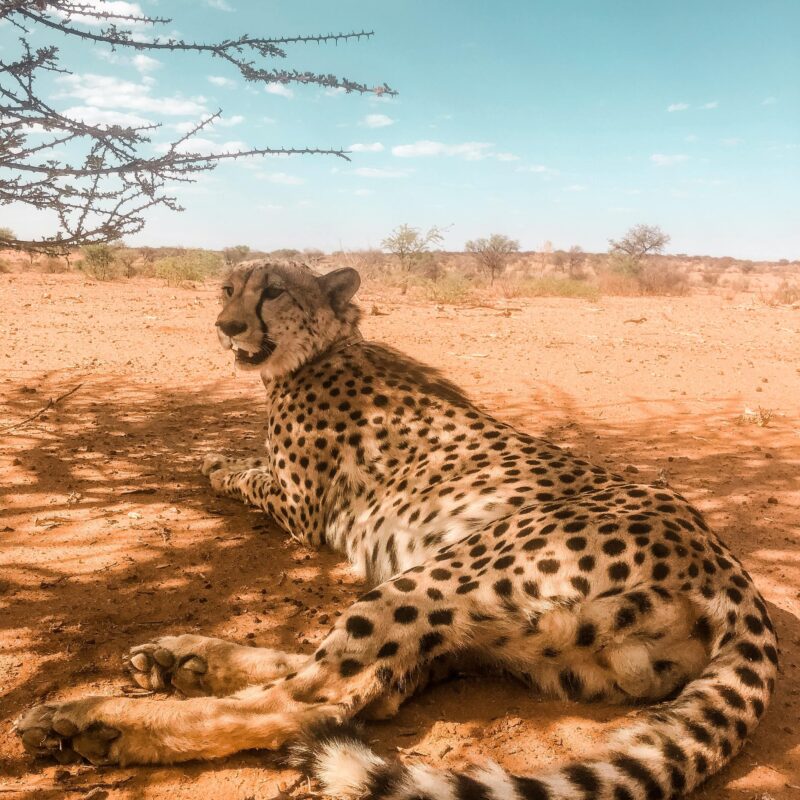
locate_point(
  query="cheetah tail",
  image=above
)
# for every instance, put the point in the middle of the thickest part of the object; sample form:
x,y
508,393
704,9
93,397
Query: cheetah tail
x,y
665,752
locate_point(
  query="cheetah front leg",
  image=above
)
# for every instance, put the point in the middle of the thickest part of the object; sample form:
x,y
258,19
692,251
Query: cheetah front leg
x,y
201,666
249,478
375,652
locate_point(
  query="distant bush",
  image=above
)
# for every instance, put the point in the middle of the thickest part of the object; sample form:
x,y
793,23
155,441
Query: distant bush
x,y
99,262
284,253
193,265
710,278
662,279
53,265
550,286
4,266
450,288
787,294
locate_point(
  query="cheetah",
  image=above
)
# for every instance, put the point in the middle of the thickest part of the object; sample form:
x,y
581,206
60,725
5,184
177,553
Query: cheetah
x,y
480,545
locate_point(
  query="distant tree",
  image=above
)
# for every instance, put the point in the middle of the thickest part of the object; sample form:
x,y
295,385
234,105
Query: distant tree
x,y
7,236
410,245
99,179
559,260
638,242
236,254
575,259
492,253
99,261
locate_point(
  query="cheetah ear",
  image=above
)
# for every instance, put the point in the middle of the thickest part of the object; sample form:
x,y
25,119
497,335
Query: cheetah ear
x,y
339,287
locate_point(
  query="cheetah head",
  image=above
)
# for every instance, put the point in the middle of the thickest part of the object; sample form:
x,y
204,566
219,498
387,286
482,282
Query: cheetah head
x,y
275,316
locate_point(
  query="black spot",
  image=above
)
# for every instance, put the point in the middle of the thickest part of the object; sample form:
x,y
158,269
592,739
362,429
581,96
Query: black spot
x,y
581,584
576,543
370,596
621,793
715,717
586,563
406,614
503,587
388,650
429,641
613,547
467,789
625,617
635,769
749,678
587,633
660,571
700,763
702,630
442,617
440,574
359,627
466,588
750,651
731,697
504,562
530,788
619,571
405,585
584,778
350,667
570,683
549,566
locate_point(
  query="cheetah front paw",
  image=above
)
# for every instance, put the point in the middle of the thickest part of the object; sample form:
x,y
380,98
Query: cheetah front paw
x,y
68,732
197,666
213,462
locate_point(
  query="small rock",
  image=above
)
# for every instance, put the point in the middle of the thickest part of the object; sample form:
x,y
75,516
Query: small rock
x,y
773,501
631,468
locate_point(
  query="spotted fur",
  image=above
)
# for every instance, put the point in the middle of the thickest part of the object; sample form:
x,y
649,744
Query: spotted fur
x,y
480,543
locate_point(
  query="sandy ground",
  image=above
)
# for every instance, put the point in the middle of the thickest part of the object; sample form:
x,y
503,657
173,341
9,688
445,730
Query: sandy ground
x,y
110,536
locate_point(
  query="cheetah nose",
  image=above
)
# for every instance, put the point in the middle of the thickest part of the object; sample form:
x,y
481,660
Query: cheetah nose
x,y
232,328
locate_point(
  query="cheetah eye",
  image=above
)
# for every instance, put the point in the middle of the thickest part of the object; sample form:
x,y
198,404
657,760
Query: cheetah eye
x,y
271,292
228,291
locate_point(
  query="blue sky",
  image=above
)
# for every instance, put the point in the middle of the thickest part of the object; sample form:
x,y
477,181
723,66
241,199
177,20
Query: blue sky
x,y
564,121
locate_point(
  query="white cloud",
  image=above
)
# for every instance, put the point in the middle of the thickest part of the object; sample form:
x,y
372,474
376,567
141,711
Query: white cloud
x,y
144,63
712,104
732,141
282,178
769,101
335,91
218,80
506,157
219,5
101,91
471,151
692,137
678,107
280,89
538,169
229,122
663,160
575,187
377,121
375,147
100,116
372,172
363,192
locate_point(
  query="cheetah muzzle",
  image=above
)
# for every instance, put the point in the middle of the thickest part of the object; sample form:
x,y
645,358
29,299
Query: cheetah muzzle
x,y
483,548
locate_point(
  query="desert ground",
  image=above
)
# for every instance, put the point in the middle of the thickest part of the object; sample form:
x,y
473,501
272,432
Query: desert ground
x,y
110,536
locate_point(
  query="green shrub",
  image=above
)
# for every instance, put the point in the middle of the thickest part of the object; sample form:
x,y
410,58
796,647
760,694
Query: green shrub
x,y
193,265
99,262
